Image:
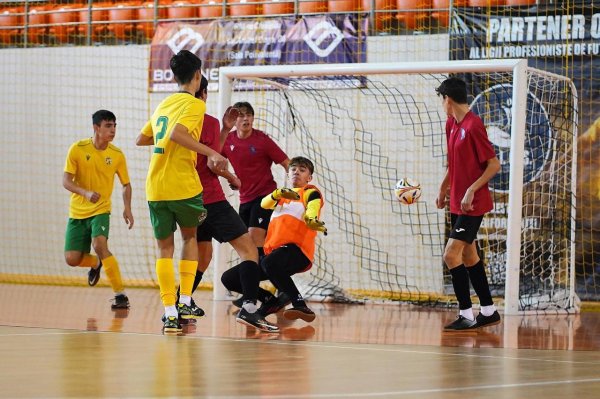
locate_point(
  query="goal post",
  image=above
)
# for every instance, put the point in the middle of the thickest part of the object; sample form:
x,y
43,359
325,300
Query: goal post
x,y
525,112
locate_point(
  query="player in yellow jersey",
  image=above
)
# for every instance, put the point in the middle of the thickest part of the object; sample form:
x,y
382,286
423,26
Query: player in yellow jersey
x,y
173,188
89,174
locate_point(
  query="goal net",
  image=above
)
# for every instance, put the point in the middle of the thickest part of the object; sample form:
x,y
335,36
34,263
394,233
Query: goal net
x,y
365,126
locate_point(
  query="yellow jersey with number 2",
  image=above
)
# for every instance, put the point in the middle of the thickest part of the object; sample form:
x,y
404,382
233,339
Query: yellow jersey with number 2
x,y
172,173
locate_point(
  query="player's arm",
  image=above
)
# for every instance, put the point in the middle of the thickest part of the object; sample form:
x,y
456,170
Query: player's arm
x,y
492,167
181,136
127,214
227,122
145,137
313,210
270,201
441,199
285,163
69,184
233,180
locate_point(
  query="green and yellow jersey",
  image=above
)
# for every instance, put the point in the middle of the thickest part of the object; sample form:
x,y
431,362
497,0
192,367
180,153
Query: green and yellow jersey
x,y
172,173
94,170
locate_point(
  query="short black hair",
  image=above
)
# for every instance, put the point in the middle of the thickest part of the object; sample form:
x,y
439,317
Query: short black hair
x,y
184,65
103,115
244,104
302,161
454,88
203,87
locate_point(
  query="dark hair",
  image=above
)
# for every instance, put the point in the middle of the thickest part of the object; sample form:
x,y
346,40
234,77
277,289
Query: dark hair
x,y
244,104
103,115
203,87
301,161
184,65
454,88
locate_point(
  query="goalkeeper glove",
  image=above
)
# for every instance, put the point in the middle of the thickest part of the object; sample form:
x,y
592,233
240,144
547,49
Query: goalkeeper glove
x,y
286,193
315,224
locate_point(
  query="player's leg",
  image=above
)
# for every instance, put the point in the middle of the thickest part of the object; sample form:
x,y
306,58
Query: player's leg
x,y
488,314
78,241
100,232
163,225
258,222
453,258
280,265
189,213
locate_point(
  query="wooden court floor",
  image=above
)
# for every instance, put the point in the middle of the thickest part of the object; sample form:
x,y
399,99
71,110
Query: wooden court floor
x,y
65,342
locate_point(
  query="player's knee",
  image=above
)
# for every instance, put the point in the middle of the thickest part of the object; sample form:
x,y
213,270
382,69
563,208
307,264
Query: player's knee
x,y
450,258
73,260
227,278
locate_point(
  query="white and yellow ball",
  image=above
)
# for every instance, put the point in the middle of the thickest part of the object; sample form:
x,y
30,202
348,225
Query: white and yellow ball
x,y
407,190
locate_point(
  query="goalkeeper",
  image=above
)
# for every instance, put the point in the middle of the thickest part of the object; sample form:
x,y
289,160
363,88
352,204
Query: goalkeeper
x,y
290,242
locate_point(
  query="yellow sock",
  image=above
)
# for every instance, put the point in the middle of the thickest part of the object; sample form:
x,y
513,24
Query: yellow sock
x,y
88,260
111,268
187,273
165,272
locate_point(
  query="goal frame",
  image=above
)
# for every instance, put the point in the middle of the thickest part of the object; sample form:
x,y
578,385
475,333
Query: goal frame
x,y
518,68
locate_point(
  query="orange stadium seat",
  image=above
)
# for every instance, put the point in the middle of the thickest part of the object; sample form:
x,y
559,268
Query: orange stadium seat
x,y
382,19
10,24
181,10
486,3
146,13
342,6
62,19
440,13
242,8
122,19
35,34
520,2
99,19
312,7
211,9
412,13
277,7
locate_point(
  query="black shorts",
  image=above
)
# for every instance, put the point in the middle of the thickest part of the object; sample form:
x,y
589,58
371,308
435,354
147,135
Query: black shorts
x,y
222,223
465,227
254,215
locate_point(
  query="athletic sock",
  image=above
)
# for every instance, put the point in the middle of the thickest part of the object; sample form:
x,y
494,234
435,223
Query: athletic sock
x,y
88,260
165,272
111,268
460,282
480,283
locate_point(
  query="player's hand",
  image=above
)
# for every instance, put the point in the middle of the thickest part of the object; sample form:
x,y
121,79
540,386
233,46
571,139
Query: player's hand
x,y
234,183
315,224
218,161
128,216
230,117
92,196
466,205
441,201
286,193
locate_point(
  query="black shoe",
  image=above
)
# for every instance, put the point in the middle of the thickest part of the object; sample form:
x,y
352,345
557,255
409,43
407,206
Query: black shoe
x,y
300,312
255,320
171,326
461,323
94,275
486,321
189,312
120,302
238,302
274,304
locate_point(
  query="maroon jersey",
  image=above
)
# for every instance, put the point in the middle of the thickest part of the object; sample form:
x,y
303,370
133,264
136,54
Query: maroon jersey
x,y
210,182
251,159
468,152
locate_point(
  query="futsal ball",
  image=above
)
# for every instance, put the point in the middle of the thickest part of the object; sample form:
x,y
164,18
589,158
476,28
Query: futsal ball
x,y
408,191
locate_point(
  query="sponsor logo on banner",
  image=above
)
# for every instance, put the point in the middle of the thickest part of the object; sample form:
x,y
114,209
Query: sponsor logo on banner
x,y
279,41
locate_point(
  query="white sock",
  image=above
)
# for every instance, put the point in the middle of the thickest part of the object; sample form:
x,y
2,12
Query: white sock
x,y
487,310
171,311
185,299
467,313
249,307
